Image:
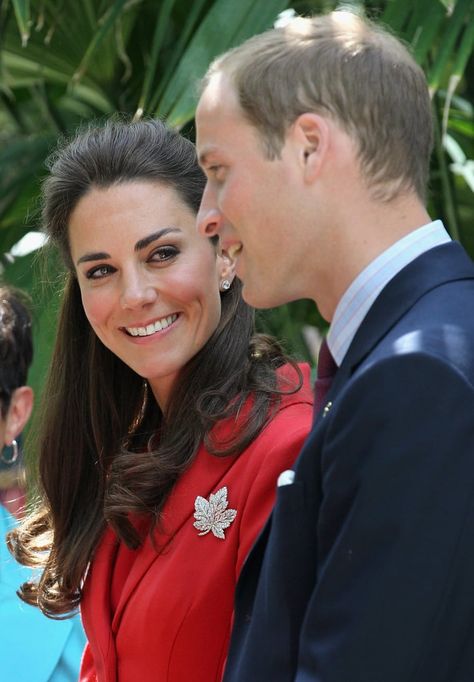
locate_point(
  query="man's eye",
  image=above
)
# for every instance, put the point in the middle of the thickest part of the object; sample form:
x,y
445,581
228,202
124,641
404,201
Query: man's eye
x,y
215,171
99,272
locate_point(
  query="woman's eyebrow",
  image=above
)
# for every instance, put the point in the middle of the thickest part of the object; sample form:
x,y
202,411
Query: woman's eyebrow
x,y
146,241
100,255
141,244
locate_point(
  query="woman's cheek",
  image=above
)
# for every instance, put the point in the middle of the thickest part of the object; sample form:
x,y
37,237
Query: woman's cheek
x,y
95,306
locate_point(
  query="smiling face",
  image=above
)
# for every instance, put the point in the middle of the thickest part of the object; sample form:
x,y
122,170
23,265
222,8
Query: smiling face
x,y
253,203
149,283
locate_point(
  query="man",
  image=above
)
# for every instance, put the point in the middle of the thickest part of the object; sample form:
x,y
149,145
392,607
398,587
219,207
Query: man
x,y
315,139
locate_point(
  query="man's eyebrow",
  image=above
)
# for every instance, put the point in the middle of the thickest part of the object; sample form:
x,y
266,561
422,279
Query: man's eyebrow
x,y
146,241
141,244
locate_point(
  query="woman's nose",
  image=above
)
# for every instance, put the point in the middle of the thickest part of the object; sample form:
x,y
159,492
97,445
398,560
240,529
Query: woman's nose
x,y
137,292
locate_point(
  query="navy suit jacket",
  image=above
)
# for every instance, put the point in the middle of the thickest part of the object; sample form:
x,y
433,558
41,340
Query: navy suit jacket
x,y
365,571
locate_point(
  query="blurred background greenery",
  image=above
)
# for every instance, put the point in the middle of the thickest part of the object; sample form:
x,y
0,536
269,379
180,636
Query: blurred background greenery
x,y
66,62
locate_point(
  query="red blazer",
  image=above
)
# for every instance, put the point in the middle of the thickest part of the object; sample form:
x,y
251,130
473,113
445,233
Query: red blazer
x,y
171,620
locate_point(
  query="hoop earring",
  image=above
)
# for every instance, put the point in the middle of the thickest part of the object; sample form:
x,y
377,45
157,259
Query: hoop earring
x,y
15,453
225,285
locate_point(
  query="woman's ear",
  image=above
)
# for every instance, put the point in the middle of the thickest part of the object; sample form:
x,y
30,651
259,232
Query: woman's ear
x,y
226,269
19,412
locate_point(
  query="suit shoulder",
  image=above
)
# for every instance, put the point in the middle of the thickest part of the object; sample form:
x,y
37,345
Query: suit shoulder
x,y
448,343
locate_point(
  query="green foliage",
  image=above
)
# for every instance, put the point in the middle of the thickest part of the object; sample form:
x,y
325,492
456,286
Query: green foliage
x,y
64,62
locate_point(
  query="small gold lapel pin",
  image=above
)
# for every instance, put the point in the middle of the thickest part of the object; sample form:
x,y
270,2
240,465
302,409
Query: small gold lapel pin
x,y
326,409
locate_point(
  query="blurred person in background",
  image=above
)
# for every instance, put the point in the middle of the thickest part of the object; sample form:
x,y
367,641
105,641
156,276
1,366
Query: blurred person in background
x,y
33,648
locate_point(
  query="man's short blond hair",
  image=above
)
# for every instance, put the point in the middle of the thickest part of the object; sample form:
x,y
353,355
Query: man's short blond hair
x,y
346,67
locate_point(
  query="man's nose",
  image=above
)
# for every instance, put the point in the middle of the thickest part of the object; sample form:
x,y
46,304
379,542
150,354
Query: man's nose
x,y
209,218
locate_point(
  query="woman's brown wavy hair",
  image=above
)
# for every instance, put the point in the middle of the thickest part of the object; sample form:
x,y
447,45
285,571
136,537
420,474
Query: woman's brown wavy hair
x,y
106,451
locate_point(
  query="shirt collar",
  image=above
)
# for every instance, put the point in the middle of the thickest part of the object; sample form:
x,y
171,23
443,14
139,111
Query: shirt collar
x,y
359,297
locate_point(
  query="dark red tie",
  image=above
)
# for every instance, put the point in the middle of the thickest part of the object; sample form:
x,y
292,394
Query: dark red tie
x,y
325,373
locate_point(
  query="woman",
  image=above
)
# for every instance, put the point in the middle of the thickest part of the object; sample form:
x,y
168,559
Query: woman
x,y
32,648
167,422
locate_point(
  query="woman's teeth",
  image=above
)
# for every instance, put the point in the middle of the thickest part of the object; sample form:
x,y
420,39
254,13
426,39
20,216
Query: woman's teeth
x,y
152,328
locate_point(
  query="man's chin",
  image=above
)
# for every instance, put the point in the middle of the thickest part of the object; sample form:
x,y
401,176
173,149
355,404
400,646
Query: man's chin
x,y
257,296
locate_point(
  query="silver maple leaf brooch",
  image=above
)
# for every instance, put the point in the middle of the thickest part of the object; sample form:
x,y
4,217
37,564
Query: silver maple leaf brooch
x,y
213,515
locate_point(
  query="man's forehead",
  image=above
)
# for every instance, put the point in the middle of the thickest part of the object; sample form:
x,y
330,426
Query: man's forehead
x,y
218,89
217,110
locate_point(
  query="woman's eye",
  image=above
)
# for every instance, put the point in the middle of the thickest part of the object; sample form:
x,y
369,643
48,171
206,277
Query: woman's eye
x,y
99,272
164,253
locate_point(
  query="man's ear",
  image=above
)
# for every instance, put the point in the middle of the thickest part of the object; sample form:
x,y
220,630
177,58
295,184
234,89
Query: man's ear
x,y
19,412
312,134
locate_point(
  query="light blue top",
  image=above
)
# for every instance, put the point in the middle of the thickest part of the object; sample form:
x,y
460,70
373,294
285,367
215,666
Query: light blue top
x,y
358,298
33,648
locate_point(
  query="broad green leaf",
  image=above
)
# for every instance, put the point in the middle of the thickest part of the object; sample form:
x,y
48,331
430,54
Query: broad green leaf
x,y
185,33
226,24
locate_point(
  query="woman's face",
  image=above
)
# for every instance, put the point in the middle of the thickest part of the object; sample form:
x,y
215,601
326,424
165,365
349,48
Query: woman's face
x,y
149,282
